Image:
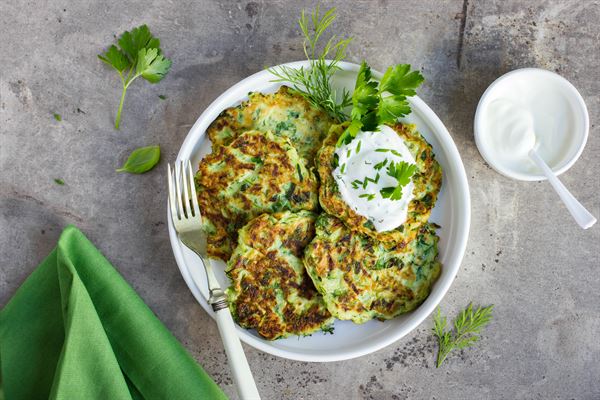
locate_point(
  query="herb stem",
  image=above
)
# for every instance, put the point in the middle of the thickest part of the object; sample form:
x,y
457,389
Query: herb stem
x,y
118,119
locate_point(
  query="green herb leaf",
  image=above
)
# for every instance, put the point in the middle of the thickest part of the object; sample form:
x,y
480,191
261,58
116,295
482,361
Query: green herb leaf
x,y
402,172
138,55
399,80
141,160
467,330
314,83
391,192
57,117
376,103
137,39
59,181
368,196
151,65
381,164
162,97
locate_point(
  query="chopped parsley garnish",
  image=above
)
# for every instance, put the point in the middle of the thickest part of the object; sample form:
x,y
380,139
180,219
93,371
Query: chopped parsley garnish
x,y
394,152
57,117
368,196
358,183
59,181
343,168
358,147
257,160
162,97
402,172
380,165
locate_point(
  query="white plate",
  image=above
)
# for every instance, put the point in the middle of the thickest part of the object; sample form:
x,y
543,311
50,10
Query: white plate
x,y
452,212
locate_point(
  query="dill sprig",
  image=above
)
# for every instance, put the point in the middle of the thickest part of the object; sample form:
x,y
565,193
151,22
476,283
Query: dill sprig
x,y
314,83
467,328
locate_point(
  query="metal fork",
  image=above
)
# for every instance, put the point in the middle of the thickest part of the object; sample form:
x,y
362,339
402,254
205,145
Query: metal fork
x,y
183,203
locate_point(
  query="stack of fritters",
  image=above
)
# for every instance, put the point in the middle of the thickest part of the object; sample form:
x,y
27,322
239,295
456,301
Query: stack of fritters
x,y
257,191
256,173
427,180
270,288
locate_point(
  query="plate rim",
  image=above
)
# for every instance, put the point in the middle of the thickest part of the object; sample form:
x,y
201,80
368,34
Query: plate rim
x,y
424,310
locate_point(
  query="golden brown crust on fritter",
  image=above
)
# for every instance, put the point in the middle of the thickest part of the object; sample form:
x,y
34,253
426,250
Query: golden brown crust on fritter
x,y
284,113
270,289
427,180
256,173
361,278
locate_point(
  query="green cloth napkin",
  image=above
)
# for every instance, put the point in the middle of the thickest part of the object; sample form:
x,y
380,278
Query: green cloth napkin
x,y
76,330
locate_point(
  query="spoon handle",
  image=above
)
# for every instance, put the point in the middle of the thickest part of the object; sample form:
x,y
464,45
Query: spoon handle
x,y
581,215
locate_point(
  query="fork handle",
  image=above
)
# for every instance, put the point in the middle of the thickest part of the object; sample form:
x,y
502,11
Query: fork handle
x,y
242,376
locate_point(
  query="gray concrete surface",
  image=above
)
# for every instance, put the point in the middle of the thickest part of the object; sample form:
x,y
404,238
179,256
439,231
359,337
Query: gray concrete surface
x,y
525,254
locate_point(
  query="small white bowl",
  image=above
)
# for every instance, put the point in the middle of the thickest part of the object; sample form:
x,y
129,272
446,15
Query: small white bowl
x,y
576,110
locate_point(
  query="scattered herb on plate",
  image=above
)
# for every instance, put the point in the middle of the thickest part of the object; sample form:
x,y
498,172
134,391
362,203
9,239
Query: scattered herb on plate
x,y
59,181
162,97
466,331
141,160
138,55
57,117
314,83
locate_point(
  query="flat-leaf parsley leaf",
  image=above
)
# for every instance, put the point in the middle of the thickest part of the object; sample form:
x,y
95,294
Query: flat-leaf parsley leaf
x,y
376,103
402,172
138,55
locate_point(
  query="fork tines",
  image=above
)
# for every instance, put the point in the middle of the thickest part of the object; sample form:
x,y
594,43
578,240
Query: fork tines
x,y
183,206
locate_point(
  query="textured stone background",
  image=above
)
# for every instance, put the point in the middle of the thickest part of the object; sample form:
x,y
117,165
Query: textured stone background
x,y
525,253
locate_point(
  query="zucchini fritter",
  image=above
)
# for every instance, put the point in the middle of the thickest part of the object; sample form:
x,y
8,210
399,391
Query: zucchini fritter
x,y
361,278
285,113
427,180
256,173
270,289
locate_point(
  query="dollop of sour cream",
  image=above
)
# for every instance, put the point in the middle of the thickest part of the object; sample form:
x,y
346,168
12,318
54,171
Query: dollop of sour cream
x,y
511,130
357,161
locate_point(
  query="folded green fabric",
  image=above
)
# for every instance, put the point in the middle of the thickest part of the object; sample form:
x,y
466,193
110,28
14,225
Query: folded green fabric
x,y
76,330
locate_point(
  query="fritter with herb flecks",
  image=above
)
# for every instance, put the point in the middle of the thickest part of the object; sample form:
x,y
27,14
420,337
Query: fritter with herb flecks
x,y
256,173
270,289
427,180
284,113
361,278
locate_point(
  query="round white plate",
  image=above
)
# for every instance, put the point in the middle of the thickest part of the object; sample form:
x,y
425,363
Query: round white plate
x,y
452,212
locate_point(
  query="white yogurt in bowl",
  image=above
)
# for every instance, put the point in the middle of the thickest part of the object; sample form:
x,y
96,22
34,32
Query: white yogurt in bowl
x,y
528,107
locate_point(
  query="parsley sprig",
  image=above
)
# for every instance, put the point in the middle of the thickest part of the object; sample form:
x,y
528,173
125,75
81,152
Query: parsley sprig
x,y
467,330
138,55
314,83
376,103
402,172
